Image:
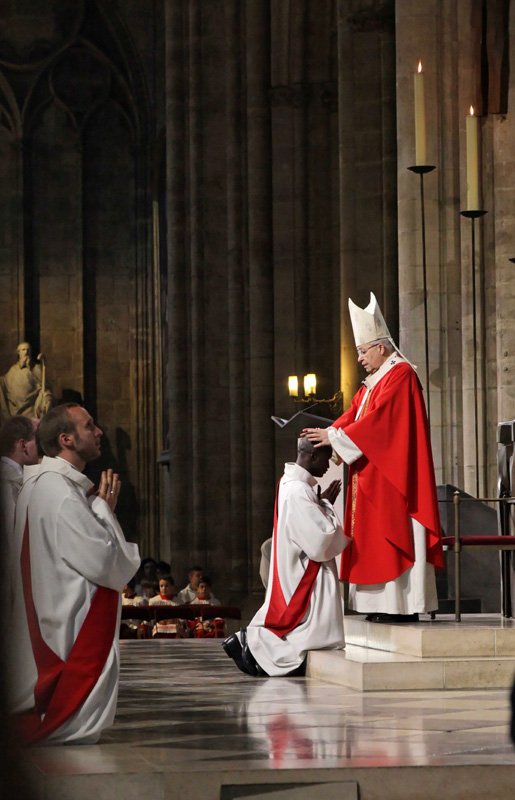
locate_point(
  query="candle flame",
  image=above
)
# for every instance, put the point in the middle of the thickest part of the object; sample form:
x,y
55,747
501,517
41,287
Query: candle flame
x,y
310,384
471,111
293,386
420,66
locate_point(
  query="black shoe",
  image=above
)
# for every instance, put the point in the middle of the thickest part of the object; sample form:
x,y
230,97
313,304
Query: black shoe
x,y
241,655
232,647
391,618
250,662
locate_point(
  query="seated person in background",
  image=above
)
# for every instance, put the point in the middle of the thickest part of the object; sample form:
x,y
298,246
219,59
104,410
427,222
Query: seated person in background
x,y
204,594
189,592
133,628
147,572
147,589
163,569
167,594
129,596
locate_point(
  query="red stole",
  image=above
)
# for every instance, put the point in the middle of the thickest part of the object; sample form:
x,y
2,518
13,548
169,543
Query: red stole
x,y
282,617
63,686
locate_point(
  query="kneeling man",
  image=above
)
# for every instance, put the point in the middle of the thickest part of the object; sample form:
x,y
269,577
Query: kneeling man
x,y
303,608
74,561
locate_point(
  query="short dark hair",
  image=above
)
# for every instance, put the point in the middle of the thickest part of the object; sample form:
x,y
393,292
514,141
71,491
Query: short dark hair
x,y
12,431
55,422
40,450
168,578
195,569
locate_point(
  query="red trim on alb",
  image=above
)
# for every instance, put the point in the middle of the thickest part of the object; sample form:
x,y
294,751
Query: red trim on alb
x,y
282,617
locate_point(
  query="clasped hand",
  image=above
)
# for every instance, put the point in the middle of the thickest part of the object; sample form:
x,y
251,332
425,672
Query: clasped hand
x,y
331,493
109,487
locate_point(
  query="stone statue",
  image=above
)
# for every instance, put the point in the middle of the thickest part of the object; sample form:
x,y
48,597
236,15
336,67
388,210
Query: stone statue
x,y
22,388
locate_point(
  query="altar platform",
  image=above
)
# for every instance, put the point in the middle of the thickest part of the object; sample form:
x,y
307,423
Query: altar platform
x,y
190,725
476,653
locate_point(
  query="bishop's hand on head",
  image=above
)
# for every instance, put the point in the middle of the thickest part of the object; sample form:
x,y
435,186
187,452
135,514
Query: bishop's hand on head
x,y
318,436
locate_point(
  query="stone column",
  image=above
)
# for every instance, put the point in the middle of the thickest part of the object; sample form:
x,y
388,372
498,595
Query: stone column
x,y
180,433
238,545
260,266
501,271
411,19
368,220
447,38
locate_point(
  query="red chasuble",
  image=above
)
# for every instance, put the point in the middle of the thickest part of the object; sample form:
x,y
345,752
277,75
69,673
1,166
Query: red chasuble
x,y
393,480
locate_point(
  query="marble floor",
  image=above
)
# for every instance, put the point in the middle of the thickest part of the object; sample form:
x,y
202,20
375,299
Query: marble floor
x,y
190,725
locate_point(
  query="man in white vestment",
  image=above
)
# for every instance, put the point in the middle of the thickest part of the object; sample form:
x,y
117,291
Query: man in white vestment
x,y
74,563
17,449
303,608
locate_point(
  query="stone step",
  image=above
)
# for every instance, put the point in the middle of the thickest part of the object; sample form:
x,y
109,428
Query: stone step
x,y
478,635
478,653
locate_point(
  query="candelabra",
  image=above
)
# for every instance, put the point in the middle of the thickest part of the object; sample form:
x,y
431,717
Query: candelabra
x,y
473,215
421,170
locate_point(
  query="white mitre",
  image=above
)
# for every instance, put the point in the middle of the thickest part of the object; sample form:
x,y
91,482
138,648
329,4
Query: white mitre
x,y
368,325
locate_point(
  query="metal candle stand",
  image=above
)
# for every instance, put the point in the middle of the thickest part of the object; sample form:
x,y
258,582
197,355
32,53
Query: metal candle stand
x,y
421,170
473,215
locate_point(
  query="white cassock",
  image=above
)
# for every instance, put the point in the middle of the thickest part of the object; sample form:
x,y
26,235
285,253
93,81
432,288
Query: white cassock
x,y
11,479
306,530
76,545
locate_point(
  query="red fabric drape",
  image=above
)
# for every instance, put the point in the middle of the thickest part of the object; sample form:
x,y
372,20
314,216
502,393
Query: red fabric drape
x,y
282,617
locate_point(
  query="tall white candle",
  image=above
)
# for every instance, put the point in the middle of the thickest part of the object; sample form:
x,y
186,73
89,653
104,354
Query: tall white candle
x,y
472,131
420,117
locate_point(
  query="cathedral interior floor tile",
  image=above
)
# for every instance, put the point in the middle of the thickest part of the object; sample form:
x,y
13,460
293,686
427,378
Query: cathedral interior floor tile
x,y
189,722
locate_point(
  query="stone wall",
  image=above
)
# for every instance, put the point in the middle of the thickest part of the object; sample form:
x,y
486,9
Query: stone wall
x,y
451,39
76,275
281,203
179,234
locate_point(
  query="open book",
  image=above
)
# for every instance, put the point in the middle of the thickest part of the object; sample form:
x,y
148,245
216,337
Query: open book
x,y
302,419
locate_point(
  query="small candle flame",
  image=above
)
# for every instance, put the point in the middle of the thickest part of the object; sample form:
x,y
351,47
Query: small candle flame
x,y
420,66
471,111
